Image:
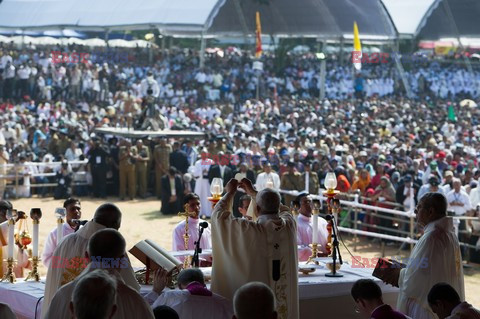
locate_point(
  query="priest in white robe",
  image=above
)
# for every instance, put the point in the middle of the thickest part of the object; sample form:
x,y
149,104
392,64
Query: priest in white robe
x,y
202,185
435,258
265,250
194,208
106,250
74,211
65,267
305,229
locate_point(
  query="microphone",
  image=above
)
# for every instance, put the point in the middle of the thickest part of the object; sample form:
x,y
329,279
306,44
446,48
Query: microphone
x,y
203,225
329,217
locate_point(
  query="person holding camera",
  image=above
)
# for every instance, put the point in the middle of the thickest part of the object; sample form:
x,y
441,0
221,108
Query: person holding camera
x,y
141,165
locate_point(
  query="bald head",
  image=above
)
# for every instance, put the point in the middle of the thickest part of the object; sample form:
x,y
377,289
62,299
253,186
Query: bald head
x,y
268,201
254,300
107,243
108,215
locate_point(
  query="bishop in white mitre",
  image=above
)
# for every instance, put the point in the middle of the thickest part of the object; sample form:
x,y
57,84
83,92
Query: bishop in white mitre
x,y
264,250
435,258
65,267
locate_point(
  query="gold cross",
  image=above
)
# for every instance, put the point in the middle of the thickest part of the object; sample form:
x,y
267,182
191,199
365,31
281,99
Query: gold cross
x,y
186,213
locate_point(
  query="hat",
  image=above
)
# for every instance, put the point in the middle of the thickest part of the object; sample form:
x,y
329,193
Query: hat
x,y
271,150
407,178
448,173
290,164
363,153
5,204
433,180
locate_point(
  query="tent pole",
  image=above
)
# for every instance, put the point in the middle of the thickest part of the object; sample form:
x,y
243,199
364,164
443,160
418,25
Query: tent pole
x,y
243,21
342,43
107,32
202,51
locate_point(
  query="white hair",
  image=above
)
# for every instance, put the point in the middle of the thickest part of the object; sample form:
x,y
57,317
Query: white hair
x,y
94,296
254,300
268,200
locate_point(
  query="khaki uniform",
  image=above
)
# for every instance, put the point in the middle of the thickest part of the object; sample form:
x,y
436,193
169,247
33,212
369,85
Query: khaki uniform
x,y
161,155
127,171
313,183
141,169
291,182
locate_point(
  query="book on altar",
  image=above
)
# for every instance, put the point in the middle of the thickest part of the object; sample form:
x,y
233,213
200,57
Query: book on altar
x,y
383,264
153,256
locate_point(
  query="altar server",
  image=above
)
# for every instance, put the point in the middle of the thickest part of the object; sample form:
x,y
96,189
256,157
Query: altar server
x,y
202,186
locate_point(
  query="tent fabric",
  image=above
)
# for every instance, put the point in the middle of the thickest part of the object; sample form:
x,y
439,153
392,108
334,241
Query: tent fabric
x,y
318,18
329,18
407,14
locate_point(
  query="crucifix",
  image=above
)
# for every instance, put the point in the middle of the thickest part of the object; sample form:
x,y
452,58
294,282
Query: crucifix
x,y
186,214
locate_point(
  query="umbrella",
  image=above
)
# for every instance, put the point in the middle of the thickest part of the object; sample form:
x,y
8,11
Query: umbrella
x,y
468,102
95,42
121,43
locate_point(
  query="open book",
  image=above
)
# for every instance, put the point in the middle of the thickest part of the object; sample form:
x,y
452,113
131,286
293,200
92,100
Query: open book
x,y
153,256
383,270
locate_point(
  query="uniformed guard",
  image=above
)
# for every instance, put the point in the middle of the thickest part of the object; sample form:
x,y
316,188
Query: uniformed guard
x,y
161,154
127,157
141,166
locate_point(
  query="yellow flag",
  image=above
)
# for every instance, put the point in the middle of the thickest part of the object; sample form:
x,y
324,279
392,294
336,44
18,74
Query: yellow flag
x,y
357,48
258,35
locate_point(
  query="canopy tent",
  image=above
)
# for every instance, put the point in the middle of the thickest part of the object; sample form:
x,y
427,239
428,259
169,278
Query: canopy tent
x,y
318,18
407,14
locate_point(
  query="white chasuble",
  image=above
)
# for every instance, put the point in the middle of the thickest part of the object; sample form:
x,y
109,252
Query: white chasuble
x,y
266,250
435,258
68,261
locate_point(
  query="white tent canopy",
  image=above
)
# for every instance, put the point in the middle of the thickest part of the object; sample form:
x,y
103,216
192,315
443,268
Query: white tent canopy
x,y
407,14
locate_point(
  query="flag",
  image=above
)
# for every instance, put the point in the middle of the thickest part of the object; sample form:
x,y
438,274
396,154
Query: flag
x,y
451,114
357,48
258,34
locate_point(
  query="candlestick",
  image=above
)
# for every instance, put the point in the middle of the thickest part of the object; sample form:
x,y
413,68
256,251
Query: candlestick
x,y
9,274
11,237
34,273
59,230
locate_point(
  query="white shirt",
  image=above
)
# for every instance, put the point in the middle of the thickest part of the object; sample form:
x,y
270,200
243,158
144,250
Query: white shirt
x,y
305,233
464,311
461,197
51,243
179,231
262,179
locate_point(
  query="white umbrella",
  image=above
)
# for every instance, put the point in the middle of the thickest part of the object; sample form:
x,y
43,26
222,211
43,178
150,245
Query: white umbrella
x,y
4,38
46,41
468,102
143,43
121,43
95,42
75,41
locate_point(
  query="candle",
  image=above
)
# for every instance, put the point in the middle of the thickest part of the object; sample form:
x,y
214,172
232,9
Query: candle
x,y
11,238
59,230
216,190
36,224
315,229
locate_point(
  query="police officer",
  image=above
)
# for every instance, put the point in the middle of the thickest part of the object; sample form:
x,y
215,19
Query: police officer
x,y
127,157
141,166
292,181
161,155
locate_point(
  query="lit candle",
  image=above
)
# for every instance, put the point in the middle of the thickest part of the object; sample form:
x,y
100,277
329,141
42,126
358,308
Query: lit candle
x,y
216,190
36,224
315,229
11,238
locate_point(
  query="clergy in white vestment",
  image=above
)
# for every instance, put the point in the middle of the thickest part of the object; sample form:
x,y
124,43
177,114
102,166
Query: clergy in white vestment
x,y
267,179
264,250
106,250
192,299
305,229
194,207
446,303
74,211
64,266
435,258
20,254
202,186
458,202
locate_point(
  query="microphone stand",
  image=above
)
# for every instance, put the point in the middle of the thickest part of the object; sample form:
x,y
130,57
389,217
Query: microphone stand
x,y
336,250
195,260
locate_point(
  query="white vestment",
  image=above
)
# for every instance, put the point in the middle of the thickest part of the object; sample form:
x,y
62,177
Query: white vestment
x,y
20,256
51,242
245,251
178,243
74,247
6,312
129,302
305,233
435,258
464,311
202,186
192,306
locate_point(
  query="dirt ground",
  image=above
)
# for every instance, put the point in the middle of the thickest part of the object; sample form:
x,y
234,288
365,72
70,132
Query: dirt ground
x,y
142,219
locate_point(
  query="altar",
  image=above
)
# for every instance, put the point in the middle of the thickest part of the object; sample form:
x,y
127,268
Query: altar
x,y
318,294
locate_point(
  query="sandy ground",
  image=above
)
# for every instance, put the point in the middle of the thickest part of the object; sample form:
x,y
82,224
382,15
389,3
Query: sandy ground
x,y
142,219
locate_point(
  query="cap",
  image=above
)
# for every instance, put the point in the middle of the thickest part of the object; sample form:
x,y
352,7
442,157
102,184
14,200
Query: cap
x,y
448,173
290,164
433,181
5,204
363,153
